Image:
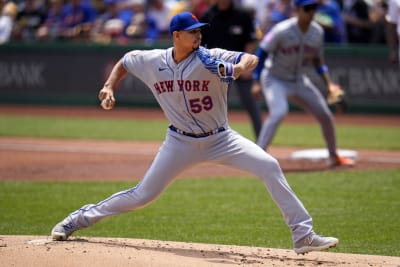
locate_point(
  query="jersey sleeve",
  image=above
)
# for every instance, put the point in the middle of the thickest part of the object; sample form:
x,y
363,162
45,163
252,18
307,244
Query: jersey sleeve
x,y
270,41
133,59
226,55
140,63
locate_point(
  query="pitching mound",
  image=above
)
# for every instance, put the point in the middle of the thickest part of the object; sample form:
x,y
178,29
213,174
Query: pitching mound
x,y
99,252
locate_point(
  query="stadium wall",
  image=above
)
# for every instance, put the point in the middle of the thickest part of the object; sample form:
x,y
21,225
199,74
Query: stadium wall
x,y
72,74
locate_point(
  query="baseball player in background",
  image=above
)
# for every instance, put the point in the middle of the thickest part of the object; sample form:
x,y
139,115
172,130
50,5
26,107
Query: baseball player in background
x,y
284,54
190,84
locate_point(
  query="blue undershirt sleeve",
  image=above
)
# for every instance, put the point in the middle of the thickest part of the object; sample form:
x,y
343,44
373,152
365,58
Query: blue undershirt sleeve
x,y
262,56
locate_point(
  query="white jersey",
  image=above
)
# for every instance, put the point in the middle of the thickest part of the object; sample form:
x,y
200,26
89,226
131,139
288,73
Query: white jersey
x,y
393,15
289,50
193,99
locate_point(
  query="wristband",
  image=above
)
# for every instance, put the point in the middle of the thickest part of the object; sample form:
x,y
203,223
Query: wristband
x,y
322,69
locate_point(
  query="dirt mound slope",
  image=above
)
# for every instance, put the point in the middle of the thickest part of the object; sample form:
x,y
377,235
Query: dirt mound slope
x,y
99,252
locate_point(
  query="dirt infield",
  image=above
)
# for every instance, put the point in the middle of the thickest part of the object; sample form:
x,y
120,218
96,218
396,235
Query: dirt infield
x,y
50,159
42,251
44,159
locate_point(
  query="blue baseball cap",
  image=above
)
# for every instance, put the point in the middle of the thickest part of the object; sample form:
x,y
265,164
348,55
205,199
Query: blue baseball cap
x,y
184,21
305,2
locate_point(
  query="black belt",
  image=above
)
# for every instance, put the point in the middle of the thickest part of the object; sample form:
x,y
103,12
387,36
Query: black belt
x,y
200,135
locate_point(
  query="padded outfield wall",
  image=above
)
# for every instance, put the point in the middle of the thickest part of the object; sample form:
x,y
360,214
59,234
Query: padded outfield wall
x,y
72,74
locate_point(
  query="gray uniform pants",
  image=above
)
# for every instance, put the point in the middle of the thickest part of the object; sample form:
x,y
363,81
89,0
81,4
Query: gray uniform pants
x,y
303,93
179,152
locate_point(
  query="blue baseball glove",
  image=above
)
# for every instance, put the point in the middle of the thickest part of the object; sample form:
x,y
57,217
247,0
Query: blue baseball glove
x,y
222,68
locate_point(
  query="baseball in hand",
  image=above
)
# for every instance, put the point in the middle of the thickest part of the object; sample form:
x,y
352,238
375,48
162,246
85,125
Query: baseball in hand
x,y
106,104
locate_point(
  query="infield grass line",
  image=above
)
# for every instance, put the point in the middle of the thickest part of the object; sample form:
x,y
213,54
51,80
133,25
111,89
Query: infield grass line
x,y
289,135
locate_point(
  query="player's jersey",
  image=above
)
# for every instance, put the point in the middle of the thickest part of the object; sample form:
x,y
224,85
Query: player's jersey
x,y
193,99
290,50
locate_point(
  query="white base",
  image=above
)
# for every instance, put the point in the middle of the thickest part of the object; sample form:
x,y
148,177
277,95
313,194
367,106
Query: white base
x,y
318,154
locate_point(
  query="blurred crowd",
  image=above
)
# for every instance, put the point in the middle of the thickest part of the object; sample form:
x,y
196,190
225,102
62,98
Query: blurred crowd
x,y
124,21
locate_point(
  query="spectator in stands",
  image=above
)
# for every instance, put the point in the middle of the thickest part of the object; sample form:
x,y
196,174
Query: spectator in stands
x,y
252,12
159,16
279,10
196,7
393,30
7,20
377,15
262,9
329,16
111,25
97,5
138,26
142,26
355,14
51,29
232,28
31,16
77,20
2,4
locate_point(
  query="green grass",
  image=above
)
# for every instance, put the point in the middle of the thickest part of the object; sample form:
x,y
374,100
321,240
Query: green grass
x,y
58,127
299,135
361,208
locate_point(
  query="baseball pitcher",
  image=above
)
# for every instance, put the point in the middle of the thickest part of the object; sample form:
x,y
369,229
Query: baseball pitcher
x,y
190,83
